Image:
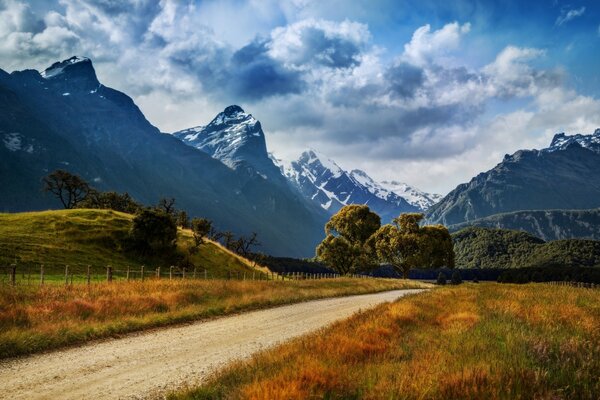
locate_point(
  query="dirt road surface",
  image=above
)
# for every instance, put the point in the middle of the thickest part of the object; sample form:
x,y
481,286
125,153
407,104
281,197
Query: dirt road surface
x,y
149,363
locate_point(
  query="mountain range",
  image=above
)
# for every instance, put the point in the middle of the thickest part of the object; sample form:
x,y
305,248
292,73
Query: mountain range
x,y
64,118
236,138
563,176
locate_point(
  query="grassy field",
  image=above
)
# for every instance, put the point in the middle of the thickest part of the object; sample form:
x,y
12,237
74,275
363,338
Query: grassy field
x,y
486,341
34,318
79,238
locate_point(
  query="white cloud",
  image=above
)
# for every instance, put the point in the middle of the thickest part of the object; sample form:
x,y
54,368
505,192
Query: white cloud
x,y
567,15
426,45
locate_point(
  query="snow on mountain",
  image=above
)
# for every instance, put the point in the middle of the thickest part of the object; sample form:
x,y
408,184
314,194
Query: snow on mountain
x,y
414,196
235,138
561,141
322,181
58,67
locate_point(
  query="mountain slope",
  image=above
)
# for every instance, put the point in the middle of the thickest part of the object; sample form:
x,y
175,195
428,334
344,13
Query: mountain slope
x,y
236,139
477,247
64,118
546,224
322,181
563,176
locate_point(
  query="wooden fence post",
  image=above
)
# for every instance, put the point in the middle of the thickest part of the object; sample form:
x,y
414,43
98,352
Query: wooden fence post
x,y
13,274
244,275
194,272
171,272
158,272
205,274
142,273
253,272
88,277
42,274
183,272
109,273
66,274
127,274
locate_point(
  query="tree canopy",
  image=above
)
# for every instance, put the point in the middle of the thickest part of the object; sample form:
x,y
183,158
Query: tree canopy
x,y
405,245
70,189
343,249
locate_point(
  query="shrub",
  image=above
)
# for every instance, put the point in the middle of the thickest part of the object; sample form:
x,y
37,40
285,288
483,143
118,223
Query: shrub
x,y
154,232
441,279
456,278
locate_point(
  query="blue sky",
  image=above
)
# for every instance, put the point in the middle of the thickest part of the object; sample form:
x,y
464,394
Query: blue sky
x,y
427,92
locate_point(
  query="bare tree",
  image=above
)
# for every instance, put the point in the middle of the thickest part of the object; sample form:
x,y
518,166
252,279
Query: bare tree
x,y
70,189
167,205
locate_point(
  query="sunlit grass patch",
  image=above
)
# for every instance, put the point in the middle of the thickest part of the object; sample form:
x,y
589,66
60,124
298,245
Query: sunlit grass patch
x,y
485,341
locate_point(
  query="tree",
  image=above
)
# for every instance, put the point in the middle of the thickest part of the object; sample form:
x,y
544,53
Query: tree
x,y
456,278
201,227
344,248
68,188
154,231
243,245
441,279
405,245
183,220
167,205
111,201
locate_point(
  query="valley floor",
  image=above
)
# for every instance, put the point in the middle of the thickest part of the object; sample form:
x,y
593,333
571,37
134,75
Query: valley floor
x,y
150,363
486,341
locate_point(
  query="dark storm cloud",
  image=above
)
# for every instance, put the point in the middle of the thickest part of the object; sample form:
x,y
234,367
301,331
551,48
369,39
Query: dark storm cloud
x,y
405,79
255,75
333,52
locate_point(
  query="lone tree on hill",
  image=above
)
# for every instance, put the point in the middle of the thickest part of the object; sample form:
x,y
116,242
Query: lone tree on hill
x,y
343,249
406,245
154,231
201,227
70,189
167,205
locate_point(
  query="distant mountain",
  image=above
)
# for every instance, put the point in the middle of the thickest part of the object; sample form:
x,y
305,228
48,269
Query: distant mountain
x,y
477,247
546,224
412,195
65,118
322,181
565,175
236,139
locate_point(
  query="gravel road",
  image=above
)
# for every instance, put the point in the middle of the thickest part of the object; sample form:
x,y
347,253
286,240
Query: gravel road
x,y
149,363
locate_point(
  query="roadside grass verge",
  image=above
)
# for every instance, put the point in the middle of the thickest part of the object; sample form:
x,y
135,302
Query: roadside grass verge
x,y
33,318
485,341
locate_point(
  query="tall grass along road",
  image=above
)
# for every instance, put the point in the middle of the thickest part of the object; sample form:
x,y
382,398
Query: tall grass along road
x,y
484,341
150,363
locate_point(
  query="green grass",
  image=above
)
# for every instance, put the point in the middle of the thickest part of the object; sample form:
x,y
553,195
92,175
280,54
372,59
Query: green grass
x,y
486,341
79,238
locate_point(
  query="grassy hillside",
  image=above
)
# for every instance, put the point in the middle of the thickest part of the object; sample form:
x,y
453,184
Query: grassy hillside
x,y
501,248
92,237
545,224
486,341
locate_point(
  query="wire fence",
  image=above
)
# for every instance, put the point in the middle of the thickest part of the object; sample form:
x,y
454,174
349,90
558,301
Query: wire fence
x,y
14,274
575,284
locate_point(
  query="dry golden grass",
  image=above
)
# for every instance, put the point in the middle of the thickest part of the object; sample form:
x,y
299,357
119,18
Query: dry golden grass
x,y
486,341
38,318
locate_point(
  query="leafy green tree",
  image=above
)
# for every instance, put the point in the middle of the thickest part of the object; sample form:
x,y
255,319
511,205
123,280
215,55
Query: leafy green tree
x,y
456,278
183,220
110,201
405,245
441,279
201,227
154,231
344,248
70,189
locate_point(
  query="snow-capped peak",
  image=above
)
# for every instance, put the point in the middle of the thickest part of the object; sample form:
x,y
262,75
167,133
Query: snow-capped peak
x,y
313,157
414,196
561,141
58,67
